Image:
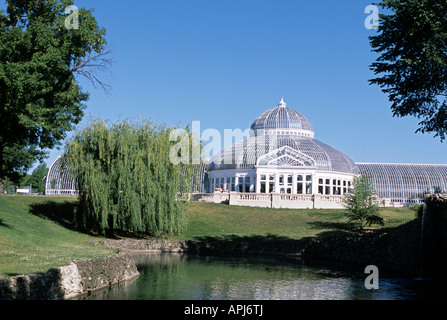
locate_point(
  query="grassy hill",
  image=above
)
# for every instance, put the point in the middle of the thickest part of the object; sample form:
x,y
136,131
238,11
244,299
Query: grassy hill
x,y
36,232
219,220
35,237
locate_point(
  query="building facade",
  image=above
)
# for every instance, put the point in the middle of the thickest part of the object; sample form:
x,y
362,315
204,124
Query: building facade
x,y
283,158
282,165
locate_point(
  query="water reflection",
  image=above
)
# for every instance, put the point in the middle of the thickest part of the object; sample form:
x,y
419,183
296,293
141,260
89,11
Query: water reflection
x,y
190,277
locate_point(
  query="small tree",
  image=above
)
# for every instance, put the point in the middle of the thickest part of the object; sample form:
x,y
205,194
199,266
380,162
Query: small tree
x,y
361,204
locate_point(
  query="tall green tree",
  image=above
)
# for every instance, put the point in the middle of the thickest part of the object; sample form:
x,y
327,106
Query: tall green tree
x,y
40,98
126,179
36,179
412,65
361,204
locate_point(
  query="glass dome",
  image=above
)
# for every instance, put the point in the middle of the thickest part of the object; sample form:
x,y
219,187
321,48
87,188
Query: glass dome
x,y
282,120
282,137
283,151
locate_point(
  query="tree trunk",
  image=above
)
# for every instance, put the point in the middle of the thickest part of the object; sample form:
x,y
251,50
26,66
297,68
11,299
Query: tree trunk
x,y
110,231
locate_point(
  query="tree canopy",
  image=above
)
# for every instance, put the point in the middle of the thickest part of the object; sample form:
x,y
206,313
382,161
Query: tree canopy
x,y
40,99
126,179
412,65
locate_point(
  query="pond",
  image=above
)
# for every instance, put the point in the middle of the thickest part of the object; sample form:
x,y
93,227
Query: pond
x,y
193,277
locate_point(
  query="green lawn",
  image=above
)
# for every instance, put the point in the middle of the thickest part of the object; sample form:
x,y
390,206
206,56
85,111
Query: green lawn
x,y
219,220
34,236
36,232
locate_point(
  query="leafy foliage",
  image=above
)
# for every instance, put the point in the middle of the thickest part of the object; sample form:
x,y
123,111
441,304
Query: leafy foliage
x,y
40,99
413,62
126,180
36,179
361,204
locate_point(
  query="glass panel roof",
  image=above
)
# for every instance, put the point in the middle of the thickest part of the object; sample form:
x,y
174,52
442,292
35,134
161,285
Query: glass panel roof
x,y
405,181
245,154
281,117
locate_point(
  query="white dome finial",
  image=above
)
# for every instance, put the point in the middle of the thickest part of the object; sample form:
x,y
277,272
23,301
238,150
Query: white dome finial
x,y
282,103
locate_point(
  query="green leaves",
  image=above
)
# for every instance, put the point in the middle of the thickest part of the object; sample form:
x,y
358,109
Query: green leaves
x,y
126,179
40,99
361,203
412,66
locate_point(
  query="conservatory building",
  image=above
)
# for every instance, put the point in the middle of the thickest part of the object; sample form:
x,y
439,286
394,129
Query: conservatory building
x,y
282,165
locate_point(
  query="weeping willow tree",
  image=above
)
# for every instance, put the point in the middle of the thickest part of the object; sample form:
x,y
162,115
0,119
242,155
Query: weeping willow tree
x,y
126,179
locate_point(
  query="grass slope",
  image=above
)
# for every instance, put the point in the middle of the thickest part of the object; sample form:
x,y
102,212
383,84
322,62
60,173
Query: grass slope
x,y
32,240
218,220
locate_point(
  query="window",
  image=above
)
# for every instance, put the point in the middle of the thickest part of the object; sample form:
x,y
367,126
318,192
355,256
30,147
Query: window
x,y
321,186
247,184
281,180
299,185
309,185
272,183
263,183
233,184
241,184
271,187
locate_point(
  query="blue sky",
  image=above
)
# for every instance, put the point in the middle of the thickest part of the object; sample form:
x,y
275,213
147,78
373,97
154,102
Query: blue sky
x,y
223,63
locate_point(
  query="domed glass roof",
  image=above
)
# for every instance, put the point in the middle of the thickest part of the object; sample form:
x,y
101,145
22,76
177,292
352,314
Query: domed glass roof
x,y
282,137
282,151
282,119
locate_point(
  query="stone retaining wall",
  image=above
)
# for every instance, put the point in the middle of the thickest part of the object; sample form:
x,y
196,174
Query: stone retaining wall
x,y
434,237
77,278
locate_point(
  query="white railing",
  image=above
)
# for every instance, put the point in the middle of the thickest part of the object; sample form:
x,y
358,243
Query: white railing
x,y
331,199
253,197
222,197
296,197
275,200
58,192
